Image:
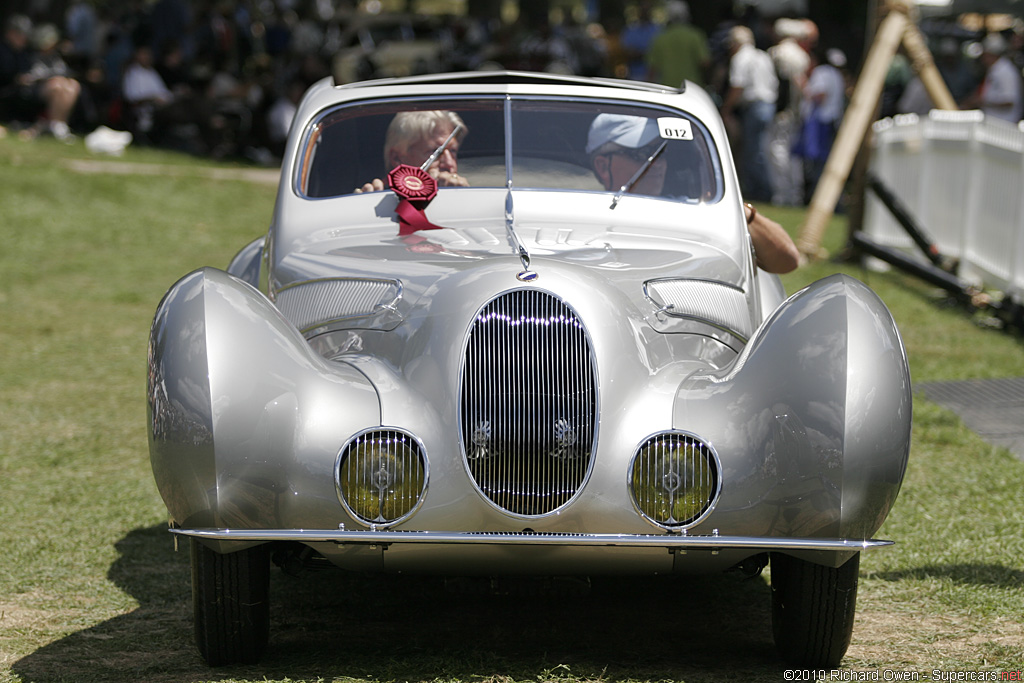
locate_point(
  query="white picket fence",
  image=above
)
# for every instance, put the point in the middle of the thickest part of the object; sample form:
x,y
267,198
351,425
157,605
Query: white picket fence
x,y
961,175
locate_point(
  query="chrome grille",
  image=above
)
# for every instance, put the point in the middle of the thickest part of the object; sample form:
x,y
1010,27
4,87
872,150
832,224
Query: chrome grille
x,y
529,402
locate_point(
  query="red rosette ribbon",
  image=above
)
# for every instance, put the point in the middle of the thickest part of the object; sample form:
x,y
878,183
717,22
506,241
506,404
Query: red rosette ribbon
x,y
415,188
412,183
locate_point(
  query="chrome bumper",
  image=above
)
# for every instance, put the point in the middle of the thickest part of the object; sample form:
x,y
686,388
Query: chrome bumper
x,y
668,541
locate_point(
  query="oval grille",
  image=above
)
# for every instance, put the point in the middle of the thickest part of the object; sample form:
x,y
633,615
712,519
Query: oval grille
x,y
529,402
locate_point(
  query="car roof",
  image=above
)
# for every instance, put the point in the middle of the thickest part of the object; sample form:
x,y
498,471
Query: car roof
x,y
509,77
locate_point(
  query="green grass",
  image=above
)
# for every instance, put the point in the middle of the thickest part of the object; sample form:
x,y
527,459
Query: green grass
x,y
92,590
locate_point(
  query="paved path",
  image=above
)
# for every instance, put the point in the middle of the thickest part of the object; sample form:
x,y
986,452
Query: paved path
x,y
991,407
269,176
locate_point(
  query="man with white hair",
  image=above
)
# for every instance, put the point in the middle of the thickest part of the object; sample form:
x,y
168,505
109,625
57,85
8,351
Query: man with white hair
x,y
411,138
1001,95
753,91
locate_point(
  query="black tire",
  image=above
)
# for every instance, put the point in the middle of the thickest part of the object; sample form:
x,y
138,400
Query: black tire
x,y
812,610
229,602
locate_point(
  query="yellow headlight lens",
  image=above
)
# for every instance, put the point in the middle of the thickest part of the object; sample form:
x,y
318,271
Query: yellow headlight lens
x,y
673,479
382,476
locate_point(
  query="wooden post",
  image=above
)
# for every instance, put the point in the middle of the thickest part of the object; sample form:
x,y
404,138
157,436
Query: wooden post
x,y
852,130
924,66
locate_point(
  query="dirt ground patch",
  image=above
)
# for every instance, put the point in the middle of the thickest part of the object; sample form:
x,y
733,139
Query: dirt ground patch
x,y
921,642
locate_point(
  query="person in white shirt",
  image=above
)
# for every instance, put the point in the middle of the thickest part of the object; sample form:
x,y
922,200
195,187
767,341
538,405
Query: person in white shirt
x,y
158,111
1001,95
144,89
753,91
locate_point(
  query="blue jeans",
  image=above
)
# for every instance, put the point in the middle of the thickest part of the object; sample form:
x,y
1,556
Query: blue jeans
x,y
754,171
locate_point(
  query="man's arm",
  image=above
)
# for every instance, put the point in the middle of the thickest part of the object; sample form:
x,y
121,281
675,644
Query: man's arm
x,y
774,249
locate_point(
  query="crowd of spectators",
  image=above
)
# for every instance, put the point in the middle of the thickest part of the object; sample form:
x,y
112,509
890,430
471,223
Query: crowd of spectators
x,y
213,77
223,77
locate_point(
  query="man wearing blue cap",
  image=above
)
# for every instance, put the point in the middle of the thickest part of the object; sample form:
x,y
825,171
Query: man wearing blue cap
x,y
619,144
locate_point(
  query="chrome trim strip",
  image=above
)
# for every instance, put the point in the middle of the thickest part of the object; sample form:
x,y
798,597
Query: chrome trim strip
x,y
670,541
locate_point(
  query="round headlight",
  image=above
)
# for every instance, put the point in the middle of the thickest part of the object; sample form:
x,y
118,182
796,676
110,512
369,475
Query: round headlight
x,y
381,476
674,479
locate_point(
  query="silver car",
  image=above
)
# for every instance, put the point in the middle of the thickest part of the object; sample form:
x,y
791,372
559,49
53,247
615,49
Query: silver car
x,y
519,367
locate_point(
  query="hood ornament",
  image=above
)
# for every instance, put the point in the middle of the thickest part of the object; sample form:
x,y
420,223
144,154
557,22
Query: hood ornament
x,y
525,275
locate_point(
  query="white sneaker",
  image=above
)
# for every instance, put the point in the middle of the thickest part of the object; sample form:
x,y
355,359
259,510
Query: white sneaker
x,y
104,140
60,130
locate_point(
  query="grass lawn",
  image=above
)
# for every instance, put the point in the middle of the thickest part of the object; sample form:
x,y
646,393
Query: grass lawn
x,y
92,590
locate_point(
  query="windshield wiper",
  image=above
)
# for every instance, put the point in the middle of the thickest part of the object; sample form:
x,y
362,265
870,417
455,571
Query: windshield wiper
x,y
440,150
640,171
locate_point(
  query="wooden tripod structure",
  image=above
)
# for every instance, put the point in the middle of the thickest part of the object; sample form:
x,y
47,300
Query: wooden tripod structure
x,y
895,29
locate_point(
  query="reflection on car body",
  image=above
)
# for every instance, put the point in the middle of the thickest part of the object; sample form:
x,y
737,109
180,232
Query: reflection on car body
x,y
579,376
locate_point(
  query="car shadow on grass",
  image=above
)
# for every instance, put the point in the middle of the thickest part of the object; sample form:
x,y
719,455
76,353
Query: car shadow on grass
x,y
332,624
994,575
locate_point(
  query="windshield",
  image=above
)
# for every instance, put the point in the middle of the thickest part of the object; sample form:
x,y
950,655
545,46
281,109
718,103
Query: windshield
x,y
524,142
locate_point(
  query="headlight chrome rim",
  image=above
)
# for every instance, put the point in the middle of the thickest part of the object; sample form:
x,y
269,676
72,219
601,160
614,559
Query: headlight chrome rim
x,y
382,472
699,448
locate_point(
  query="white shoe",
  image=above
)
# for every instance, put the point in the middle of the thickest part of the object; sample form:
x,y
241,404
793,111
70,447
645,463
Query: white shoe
x,y
60,130
104,140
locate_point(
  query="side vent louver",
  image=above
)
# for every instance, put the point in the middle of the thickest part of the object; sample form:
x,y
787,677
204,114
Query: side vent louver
x,y
316,303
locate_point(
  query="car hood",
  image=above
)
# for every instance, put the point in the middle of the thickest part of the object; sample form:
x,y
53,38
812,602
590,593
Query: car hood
x,y
640,240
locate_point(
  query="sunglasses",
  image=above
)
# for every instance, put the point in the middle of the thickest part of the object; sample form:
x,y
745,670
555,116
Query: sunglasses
x,y
639,154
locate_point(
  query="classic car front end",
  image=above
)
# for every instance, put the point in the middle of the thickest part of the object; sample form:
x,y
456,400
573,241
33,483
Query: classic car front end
x,y
548,377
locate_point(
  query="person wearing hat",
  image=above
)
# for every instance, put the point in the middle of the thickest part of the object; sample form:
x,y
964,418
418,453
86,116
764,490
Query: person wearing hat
x,y
1001,94
620,144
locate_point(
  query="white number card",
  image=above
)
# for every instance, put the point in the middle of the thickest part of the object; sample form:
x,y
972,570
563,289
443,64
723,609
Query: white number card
x,y
674,129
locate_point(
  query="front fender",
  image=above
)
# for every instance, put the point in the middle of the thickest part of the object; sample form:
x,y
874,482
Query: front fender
x,y
812,421
245,420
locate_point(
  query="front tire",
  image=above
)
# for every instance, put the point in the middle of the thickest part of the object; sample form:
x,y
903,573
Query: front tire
x,y
230,604
812,610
